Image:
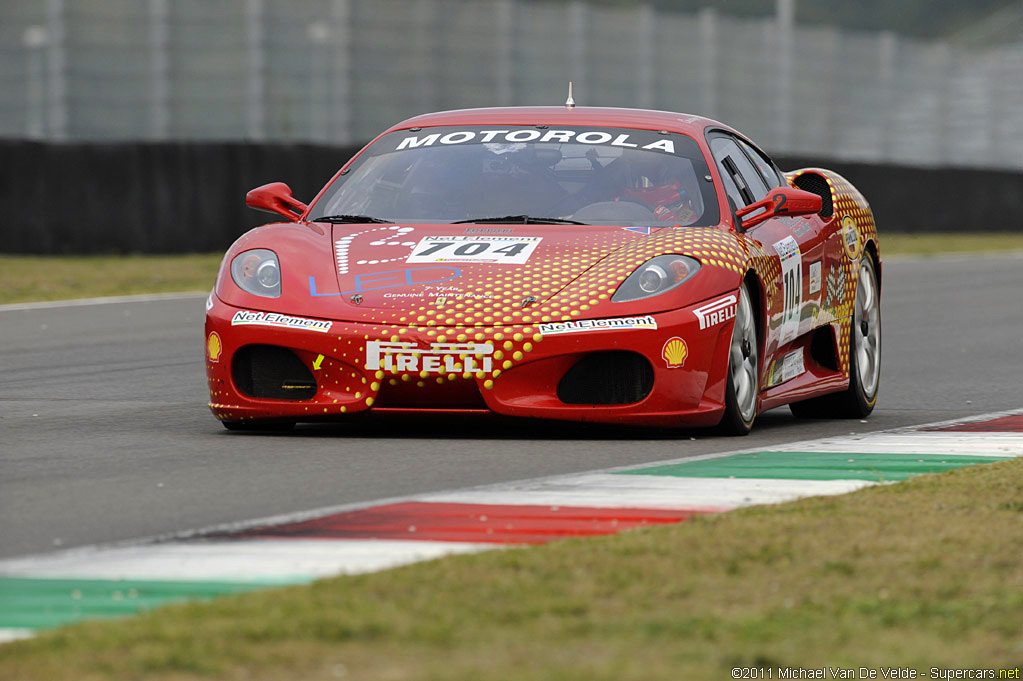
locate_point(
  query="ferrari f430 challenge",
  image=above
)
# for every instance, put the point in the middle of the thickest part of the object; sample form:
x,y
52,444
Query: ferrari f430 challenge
x,y
589,264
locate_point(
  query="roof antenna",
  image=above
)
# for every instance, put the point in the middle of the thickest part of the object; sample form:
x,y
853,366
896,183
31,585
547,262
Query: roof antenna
x,y
569,103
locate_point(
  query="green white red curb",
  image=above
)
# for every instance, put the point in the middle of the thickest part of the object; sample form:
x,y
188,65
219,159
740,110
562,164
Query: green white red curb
x,y
47,590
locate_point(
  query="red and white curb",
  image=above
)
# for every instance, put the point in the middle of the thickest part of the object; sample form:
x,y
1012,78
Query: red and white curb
x,y
390,533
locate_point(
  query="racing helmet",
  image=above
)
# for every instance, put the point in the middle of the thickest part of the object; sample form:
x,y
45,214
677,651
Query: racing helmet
x,y
651,179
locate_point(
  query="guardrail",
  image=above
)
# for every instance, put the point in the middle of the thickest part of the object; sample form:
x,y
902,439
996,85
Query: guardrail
x,y
338,71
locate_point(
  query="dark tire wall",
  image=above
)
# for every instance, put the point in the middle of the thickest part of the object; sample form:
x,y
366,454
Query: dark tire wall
x,y
190,197
145,198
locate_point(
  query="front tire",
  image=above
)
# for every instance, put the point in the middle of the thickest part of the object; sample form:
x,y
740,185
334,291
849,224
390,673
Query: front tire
x,y
858,400
743,370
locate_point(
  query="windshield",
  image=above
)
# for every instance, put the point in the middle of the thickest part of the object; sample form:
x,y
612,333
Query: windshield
x,y
597,176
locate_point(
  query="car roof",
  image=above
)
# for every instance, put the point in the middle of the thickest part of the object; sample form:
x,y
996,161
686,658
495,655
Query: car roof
x,y
642,119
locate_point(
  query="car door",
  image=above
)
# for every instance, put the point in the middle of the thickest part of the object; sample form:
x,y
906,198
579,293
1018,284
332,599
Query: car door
x,y
797,242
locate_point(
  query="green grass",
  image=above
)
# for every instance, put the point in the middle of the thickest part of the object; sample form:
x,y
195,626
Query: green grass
x,y
924,573
937,244
30,278
34,278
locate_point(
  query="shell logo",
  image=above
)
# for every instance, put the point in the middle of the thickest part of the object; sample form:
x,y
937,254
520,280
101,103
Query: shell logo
x,y
850,237
214,347
675,352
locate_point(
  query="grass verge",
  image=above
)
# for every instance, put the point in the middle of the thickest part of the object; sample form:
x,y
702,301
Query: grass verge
x,y
920,574
29,278
37,278
938,244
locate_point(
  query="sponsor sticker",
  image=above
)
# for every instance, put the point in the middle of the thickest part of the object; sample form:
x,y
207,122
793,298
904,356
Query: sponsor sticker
x,y
801,226
715,312
674,352
283,321
792,287
584,325
488,230
850,237
437,293
214,347
790,366
388,244
503,250
815,277
439,358
387,279
498,140
835,294
645,231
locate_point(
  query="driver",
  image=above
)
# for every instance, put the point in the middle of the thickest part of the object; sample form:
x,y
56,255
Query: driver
x,y
651,182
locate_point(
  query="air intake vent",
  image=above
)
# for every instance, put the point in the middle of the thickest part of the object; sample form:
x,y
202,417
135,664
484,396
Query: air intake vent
x,y
270,372
607,378
816,184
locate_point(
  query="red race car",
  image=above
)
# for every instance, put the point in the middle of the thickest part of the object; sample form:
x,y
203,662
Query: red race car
x,y
587,264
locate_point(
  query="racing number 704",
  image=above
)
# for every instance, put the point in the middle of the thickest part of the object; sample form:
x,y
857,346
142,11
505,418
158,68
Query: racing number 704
x,y
473,248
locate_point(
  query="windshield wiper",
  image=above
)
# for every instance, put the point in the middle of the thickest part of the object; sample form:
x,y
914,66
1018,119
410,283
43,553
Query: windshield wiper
x,y
524,219
352,219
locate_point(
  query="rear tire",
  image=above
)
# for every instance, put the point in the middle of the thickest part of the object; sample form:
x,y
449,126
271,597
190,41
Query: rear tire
x,y
858,400
259,426
743,385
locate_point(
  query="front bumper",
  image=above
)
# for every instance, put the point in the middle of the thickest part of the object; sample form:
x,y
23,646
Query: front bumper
x,y
507,370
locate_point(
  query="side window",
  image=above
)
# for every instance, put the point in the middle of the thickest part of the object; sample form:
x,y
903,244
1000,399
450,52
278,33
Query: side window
x,y
766,168
732,161
731,189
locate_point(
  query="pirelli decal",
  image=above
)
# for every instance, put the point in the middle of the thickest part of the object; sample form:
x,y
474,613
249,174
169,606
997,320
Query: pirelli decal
x,y
715,312
439,358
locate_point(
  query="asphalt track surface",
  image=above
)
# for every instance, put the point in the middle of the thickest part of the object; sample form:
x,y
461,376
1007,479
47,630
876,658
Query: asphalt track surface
x,y
105,435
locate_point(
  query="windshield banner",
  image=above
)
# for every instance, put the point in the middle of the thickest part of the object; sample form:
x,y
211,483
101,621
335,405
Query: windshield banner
x,y
629,139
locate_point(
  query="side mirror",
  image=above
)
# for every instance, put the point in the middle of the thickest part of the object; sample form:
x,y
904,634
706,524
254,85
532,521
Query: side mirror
x,y
275,198
781,201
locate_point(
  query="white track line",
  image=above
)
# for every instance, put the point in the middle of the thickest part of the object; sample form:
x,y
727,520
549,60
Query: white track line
x,y
8,635
648,491
106,300
964,444
257,560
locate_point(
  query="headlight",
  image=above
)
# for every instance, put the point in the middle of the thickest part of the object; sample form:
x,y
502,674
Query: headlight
x,y
656,276
258,272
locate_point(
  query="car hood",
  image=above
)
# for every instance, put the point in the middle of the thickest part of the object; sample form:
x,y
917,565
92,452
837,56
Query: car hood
x,y
401,273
